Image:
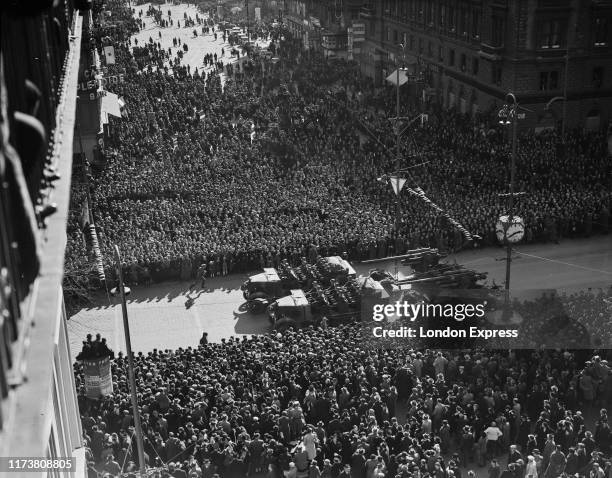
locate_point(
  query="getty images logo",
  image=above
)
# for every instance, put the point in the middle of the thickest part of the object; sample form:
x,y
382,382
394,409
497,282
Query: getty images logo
x,y
410,311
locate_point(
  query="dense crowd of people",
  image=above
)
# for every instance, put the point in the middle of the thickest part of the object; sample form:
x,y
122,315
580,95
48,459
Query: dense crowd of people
x,y
320,403
573,320
238,166
252,162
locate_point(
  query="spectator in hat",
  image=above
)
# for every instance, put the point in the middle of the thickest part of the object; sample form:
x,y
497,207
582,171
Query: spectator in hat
x,y
346,472
514,455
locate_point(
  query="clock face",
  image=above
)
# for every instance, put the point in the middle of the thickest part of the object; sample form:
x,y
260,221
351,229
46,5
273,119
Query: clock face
x,y
513,231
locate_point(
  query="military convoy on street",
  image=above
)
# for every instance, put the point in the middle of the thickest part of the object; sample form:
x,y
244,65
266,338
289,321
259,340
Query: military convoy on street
x,y
338,303
262,289
329,292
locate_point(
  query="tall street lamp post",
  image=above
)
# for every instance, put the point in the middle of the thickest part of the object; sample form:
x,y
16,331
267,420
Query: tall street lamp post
x,y
510,228
122,291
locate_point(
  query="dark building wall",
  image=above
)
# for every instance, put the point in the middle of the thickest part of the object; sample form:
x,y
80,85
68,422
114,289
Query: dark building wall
x,y
478,50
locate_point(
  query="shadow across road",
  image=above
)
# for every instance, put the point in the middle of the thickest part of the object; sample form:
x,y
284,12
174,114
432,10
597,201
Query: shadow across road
x,y
248,323
167,291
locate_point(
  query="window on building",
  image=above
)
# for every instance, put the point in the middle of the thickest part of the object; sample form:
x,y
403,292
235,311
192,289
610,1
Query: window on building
x,y
463,22
549,80
442,16
551,34
388,34
440,53
430,50
476,24
405,39
496,75
451,57
395,36
475,66
412,42
498,33
463,62
600,32
598,74
451,19
420,46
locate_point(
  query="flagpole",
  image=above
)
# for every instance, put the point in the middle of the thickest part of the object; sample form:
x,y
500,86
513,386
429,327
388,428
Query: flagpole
x,y
248,22
397,144
398,133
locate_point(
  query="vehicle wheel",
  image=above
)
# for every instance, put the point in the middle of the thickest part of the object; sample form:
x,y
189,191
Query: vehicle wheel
x,y
256,306
257,295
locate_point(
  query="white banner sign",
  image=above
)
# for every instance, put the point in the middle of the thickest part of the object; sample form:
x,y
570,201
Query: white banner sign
x,y
109,55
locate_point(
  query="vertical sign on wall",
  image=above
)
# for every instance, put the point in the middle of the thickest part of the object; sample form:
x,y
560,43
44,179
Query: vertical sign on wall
x,y
109,55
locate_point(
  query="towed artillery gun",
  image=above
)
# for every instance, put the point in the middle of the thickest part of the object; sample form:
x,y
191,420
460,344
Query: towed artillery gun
x,y
450,276
445,284
342,303
422,259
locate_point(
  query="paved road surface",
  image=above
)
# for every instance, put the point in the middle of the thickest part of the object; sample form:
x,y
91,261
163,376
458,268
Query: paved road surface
x,y
198,46
163,316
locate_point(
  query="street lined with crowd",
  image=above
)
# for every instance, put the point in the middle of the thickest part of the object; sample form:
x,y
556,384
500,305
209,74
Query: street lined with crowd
x,y
280,160
275,161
